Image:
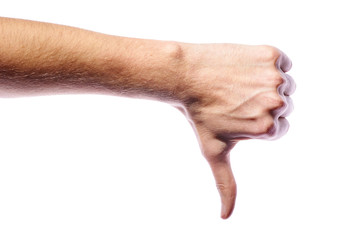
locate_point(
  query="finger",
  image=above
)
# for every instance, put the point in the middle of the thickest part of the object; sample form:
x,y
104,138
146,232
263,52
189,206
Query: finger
x,y
284,63
289,109
285,109
225,183
281,128
291,85
217,154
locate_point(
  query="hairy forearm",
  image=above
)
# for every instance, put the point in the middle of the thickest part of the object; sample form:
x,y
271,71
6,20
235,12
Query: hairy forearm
x,y
41,58
228,92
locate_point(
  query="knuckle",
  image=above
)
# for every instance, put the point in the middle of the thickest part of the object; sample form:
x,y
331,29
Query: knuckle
x,y
273,100
274,77
278,102
221,187
272,131
270,53
277,79
227,189
265,125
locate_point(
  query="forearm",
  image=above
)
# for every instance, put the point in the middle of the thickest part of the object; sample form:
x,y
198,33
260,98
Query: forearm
x,y
228,92
42,58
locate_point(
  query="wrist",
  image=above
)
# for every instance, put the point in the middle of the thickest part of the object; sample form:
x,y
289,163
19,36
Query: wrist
x,y
195,75
146,68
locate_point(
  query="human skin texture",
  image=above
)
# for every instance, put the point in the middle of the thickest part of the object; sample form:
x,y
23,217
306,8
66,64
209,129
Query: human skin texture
x,y
228,92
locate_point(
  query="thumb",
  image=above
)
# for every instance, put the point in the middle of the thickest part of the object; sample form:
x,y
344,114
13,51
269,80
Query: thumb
x,y
217,154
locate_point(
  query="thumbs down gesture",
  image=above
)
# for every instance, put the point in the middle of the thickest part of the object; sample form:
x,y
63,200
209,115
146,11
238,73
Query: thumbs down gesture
x,y
235,92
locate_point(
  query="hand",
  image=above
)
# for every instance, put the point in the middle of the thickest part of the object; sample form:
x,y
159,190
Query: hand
x,y
235,92
228,92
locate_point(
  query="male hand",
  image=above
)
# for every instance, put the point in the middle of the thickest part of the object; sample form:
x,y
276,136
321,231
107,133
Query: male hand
x,y
235,92
228,92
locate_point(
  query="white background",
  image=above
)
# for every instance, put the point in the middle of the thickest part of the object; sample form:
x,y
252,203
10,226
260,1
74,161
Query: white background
x,y
99,167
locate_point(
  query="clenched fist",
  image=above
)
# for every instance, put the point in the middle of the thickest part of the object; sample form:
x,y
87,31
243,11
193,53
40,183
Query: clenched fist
x,y
235,92
228,92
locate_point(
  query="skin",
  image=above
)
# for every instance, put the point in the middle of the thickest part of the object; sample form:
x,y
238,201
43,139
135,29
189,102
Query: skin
x,y
228,92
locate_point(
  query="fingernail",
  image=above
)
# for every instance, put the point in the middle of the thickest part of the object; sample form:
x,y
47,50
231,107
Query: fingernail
x,y
224,212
